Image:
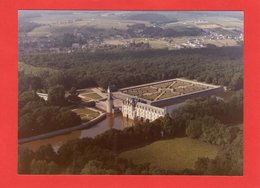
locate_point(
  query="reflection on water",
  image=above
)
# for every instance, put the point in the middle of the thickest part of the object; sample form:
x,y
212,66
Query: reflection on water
x,y
112,121
116,121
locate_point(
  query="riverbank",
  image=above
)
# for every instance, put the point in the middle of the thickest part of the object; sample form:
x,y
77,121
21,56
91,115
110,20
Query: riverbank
x,y
64,131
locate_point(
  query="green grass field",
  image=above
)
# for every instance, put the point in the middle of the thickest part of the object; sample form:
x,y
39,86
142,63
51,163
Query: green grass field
x,y
93,96
29,69
86,114
174,154
85,91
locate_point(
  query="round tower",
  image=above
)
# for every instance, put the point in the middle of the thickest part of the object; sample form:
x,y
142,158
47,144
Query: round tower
x,y
109,101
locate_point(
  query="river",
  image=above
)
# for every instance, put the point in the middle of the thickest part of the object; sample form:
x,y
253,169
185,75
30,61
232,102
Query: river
x,y
116,121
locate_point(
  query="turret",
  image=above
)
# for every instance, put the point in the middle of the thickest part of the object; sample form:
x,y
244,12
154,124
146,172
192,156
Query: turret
x,y
109,101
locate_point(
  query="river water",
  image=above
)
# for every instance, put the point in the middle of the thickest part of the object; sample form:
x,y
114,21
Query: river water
x,y
116,121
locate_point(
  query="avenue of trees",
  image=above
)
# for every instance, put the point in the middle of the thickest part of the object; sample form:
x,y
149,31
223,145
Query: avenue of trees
x,y
201,118
222,66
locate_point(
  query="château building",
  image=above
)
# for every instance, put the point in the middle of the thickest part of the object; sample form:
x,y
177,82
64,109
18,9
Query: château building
x,y
134,108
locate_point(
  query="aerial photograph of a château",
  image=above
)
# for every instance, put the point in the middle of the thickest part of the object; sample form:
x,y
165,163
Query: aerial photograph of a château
x,y
130,92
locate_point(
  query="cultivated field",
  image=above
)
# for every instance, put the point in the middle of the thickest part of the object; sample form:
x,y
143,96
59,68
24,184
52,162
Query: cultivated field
x,y
175,154
86,114
221,43
164,90
58,25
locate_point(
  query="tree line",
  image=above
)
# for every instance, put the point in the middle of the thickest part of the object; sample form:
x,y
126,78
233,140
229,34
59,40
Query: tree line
x,y
36,116
123,68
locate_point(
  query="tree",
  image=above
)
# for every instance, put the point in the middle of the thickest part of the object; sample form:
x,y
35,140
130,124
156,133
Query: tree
x,y
28,82
46,152
56,96
222,66
194,129
25,157
43,167
39,167
201,165
237,81
61,78
53,168
35,117
168,126
96,167
26,97
73,98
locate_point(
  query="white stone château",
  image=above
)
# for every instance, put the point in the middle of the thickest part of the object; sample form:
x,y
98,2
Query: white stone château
x,y
134,108
109,101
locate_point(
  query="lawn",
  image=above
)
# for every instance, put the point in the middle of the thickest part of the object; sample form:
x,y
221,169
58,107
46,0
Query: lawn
x,y
93,96
84,91
86,114
29,69
175,154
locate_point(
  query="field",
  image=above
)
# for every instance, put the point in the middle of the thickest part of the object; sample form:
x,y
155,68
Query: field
x,y
91,96
81,91
164,90
29,69
221,43
60,24
86,114
174,154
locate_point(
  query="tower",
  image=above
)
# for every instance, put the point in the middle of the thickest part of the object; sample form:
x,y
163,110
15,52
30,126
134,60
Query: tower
x,y
109,101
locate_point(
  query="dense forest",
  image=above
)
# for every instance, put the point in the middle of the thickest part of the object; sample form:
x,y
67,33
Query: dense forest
x,y
201,118
223,66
